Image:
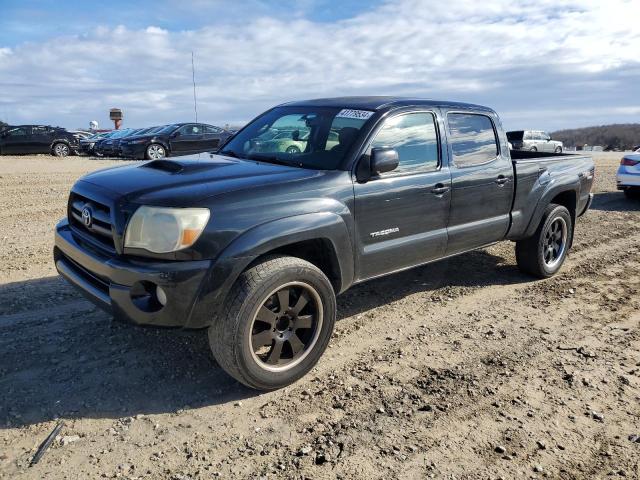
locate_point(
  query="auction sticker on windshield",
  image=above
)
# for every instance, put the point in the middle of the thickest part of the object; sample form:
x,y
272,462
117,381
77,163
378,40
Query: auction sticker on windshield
x,y
360,114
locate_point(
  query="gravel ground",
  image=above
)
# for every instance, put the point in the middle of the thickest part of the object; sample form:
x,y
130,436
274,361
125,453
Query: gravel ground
x,y
462,369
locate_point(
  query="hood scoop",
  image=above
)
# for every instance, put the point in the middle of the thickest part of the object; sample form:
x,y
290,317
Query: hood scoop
x,y
170,166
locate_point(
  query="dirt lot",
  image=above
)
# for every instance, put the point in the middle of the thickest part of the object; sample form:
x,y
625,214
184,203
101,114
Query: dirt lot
x,y
462,369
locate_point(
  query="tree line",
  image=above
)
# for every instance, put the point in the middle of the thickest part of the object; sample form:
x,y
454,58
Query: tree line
x,y
621,136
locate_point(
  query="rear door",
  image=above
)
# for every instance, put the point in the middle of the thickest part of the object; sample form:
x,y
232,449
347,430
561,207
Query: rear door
x,y
481,180
41,138
211,137
401,216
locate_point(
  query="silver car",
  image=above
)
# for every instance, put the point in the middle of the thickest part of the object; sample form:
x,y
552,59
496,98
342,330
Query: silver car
x,y
534,141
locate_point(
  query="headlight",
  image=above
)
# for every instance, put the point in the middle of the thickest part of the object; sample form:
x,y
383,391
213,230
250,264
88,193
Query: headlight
x,y
163,230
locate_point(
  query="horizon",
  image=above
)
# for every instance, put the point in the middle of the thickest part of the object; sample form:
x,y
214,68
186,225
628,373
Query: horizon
x,y
252,56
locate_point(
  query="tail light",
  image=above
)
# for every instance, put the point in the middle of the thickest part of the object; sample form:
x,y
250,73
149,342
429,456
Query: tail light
x,y
627,162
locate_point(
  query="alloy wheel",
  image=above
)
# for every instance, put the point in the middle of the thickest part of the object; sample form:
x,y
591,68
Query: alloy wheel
x,y
555,242
286,326
156,152
61,150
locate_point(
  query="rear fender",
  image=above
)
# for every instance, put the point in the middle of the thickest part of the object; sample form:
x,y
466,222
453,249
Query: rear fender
x,y
545,200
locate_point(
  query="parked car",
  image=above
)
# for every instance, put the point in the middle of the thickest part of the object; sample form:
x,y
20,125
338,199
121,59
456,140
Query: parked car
x,y
25,139
534,141
116,144
109,146
174,140
628,175
87,144
256,246
287,141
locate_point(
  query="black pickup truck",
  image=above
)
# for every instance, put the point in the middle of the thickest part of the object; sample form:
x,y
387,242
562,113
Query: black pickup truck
x,y
256,240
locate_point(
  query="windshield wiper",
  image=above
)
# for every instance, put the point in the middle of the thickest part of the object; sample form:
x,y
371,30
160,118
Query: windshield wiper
x,y
274,159
228,153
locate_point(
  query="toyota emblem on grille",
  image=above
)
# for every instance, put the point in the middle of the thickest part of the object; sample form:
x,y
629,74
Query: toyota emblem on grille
x,y
86,217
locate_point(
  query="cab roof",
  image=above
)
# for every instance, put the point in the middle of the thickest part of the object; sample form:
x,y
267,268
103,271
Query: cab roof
x,y
380,103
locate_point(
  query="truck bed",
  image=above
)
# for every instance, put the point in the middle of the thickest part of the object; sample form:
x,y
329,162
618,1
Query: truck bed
x,y
535,174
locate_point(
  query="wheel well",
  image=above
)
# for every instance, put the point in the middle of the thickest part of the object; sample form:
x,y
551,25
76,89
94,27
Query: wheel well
x,y
319,252
568,200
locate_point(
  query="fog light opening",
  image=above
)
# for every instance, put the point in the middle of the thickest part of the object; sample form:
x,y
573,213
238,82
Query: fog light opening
x,y
161,296
146,296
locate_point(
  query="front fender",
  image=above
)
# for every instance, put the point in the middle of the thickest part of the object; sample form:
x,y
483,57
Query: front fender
x,y
263,239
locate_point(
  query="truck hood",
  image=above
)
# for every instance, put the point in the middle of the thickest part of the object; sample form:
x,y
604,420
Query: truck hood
x,y
186,180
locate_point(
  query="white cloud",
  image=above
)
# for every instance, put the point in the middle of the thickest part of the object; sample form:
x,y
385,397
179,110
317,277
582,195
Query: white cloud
x,y
536,56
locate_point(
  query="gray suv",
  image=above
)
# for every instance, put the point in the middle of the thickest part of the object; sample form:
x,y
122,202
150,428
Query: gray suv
x,y
534,141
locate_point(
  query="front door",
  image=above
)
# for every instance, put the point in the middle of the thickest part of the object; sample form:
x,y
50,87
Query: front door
x,y
401,216
16,140
188,139
481,182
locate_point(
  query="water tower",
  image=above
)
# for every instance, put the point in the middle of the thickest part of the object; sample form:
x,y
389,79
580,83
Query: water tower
x,y
116,115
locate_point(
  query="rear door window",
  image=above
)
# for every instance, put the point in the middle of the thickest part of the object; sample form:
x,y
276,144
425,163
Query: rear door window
x,y
473,139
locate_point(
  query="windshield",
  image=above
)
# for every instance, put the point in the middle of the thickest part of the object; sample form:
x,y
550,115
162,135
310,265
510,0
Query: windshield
x,y
120,133
309,137
167,129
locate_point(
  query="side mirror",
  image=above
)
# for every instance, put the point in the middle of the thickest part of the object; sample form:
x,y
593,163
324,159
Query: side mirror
x,y
384,160
295,135
176,134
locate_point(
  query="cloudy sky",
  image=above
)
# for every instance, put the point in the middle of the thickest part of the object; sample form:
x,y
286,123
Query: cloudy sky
x,y
545,64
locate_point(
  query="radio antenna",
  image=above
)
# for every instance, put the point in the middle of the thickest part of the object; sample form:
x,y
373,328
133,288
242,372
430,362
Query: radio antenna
x,y
193,77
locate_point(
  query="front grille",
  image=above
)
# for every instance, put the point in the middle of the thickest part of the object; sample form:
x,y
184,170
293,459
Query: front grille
x,y
99,230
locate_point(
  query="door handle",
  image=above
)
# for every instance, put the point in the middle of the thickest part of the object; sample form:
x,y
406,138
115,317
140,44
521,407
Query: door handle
x,y
501,180
439,189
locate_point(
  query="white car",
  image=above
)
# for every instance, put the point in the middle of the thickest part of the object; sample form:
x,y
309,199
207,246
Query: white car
x,y
628,177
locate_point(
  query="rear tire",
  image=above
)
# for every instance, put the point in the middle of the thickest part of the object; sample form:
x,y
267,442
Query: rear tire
x,y
558,150
543,254
533,149
262,342
60,149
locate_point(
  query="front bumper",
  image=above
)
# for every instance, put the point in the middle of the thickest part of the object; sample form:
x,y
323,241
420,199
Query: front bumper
x,y
133,150
126,287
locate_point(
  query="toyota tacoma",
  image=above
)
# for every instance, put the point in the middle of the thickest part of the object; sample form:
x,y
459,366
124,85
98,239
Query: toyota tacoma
x,y
256,244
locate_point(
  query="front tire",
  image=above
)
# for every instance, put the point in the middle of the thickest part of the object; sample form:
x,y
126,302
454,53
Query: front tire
x,y
543,254
276,324
60,149
155,151
533,149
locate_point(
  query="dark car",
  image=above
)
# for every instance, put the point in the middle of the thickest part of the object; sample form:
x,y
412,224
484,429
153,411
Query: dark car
x,y
174,140
109,146
88,144
256,245
25,139
116,144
